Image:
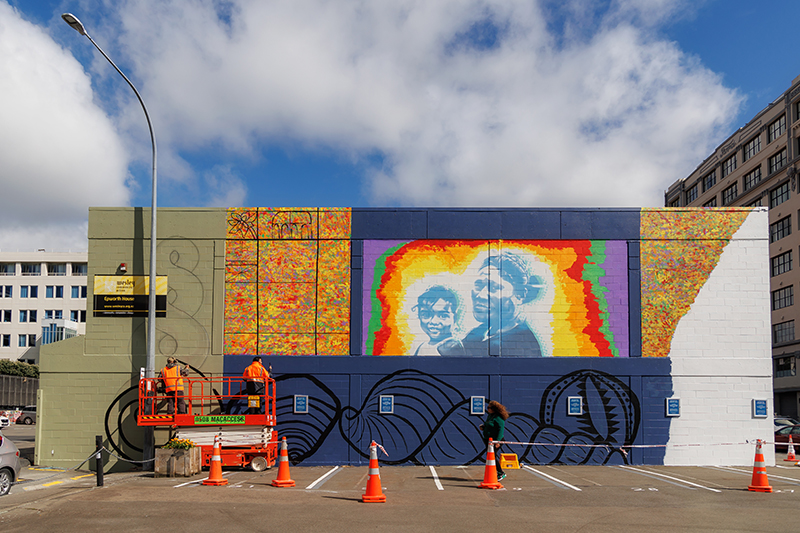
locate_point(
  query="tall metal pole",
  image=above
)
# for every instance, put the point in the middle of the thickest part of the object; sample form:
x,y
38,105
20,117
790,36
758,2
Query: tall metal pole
x,y
148,448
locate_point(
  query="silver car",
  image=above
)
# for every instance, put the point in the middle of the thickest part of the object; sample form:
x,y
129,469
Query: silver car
x,y
9,464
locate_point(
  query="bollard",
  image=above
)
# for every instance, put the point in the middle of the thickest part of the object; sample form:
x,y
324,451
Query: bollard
x,y
98,441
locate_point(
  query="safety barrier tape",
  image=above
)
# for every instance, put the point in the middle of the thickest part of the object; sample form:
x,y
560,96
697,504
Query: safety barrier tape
x,y
614,446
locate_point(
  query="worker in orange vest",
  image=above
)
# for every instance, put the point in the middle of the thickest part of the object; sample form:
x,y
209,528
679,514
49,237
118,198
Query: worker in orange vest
x,y
172,375
256,376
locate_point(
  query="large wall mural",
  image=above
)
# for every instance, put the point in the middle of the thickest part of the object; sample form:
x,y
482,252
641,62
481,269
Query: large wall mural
x,y
287,281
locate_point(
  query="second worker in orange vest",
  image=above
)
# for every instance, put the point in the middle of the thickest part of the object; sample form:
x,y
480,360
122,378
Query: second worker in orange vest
x,y
256,376
172,375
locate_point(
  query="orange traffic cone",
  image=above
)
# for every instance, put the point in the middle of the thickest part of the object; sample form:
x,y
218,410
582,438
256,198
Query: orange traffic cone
x,y
215,472
760,483
283,479
374,490
790,456
490,472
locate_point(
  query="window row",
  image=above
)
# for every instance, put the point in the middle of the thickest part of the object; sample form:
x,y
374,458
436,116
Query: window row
x,y
50,291
31,315
783,298
785,367
783,332
24,341
35,269
780,229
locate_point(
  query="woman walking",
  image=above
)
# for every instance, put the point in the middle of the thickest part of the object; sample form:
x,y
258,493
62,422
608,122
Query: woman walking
x,y
494,428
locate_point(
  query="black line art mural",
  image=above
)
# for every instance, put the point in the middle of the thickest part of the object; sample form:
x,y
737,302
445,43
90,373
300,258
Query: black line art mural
x,y
431,422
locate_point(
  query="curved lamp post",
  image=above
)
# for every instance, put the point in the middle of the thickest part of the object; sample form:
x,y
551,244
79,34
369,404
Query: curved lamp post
x,y
149,453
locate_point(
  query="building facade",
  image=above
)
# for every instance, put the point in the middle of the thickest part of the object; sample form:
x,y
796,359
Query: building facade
x,y
619,330
42,298
757,166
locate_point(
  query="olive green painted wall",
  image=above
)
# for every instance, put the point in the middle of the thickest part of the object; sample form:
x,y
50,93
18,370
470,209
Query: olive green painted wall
x,y
84,379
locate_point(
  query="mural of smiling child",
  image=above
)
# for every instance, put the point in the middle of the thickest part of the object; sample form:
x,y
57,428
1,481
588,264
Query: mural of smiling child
x,y
438,310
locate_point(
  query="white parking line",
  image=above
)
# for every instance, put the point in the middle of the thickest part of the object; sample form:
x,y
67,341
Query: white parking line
x,y
436,478
553,479
648,472
748,473
196,481
322,479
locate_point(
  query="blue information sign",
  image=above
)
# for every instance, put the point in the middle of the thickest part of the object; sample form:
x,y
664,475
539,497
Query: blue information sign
x,y
759,408
300,404
386,404
574,405
673,407
477,405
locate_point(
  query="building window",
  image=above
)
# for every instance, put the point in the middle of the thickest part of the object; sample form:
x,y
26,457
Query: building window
x,y
784,367
752,148
729,165
7,269
79,291
783,332
778,195
52,314
758,202
730,194
797,111
752,178
782,298
77,316
781,263
27,315
780,229
28,291
31,269
675,203
56,269
709,180
54,291
691,195
6,315
26,341
777,161
6,341
6,291
79,269
776,129
711,203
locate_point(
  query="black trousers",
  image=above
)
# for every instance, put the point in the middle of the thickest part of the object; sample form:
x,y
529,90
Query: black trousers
x,y
176,398
256,388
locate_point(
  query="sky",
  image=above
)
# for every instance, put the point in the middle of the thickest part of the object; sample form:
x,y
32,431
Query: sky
x,y
357,103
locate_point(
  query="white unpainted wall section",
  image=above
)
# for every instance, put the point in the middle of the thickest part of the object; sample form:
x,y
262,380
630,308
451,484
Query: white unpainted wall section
x,y
721,358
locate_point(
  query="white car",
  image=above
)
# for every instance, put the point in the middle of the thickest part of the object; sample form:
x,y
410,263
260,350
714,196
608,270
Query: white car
x,y
4,421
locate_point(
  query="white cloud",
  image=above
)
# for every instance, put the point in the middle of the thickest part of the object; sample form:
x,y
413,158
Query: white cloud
x,y
59,152
461,118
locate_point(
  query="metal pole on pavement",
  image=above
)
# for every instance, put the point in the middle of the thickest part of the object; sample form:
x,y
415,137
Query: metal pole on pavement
x,y
148,448
98,441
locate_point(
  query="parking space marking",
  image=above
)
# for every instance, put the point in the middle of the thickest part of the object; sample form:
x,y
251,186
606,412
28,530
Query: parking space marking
x,y
555,481
790,480
196,481
669,477
83,476
52,483
436,478
323,478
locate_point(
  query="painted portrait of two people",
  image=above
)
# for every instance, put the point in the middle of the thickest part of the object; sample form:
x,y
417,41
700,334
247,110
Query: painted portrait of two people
x,y
499,294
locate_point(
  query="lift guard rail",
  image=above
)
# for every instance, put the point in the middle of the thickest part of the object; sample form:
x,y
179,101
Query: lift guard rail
x,y
209,401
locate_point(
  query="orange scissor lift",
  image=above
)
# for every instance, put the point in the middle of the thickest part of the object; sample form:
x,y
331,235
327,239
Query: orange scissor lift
x,y
217,406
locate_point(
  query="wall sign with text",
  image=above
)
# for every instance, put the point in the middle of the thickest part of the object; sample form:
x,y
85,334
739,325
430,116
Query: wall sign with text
x,y
128,296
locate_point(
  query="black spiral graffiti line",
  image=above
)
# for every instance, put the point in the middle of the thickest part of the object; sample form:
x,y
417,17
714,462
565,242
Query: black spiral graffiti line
x,y
430,424
130,408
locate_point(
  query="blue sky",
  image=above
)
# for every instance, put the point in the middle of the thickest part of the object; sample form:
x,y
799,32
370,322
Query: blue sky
x,y
352,103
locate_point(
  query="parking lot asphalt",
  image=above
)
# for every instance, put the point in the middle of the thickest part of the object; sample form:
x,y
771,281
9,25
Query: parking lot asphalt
x,y
439,498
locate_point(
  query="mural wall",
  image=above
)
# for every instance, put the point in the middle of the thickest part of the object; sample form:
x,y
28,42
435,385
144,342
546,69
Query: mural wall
x,y
620,308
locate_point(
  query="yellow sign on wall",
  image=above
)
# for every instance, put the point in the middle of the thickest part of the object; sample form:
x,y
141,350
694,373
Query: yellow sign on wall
x,y
128,295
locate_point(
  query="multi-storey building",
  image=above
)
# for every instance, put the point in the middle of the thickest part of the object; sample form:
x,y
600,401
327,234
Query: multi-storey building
x,y
42,299
757,166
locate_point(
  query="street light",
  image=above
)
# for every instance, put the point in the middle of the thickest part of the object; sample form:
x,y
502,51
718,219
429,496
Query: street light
x,y
149,452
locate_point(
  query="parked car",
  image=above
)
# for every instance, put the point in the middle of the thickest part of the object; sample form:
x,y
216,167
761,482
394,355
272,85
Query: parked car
x,y
28,416
782,436
781,421
9,464
4,421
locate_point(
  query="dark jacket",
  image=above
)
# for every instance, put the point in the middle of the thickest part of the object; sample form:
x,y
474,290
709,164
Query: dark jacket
x,y
494,428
